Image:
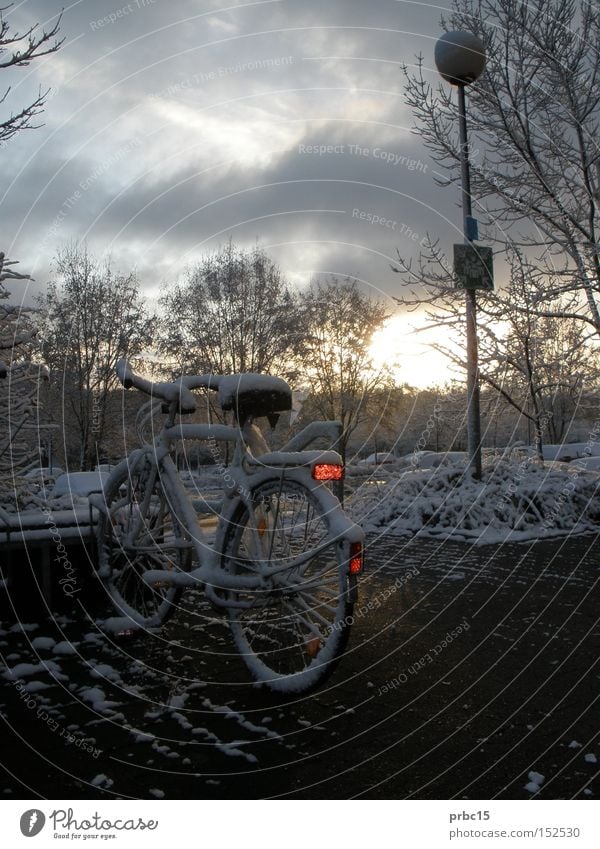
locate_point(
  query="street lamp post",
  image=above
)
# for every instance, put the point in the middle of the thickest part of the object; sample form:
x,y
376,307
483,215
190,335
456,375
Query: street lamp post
x,y
460,59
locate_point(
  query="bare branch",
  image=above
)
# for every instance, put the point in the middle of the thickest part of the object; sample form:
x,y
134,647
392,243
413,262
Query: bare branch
x,y
19,50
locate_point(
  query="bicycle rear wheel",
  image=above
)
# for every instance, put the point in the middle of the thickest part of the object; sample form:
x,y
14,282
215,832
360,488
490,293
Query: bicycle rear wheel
x,y
139,531
292,632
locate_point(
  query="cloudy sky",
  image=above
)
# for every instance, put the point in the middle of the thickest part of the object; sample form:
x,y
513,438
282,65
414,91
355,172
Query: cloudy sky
x,y
173,126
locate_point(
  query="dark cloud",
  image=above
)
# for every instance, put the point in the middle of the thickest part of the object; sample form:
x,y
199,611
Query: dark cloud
x,y
175,126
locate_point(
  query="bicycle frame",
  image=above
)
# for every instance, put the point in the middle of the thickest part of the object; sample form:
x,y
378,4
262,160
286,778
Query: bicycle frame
x,y
245,473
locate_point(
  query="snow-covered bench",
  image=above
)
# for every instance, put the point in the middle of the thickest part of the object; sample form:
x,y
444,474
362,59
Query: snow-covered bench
x,y
51,543
35,526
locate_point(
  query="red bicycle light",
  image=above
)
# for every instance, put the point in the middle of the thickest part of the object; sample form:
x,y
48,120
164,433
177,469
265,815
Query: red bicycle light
x,y
328,472
356,558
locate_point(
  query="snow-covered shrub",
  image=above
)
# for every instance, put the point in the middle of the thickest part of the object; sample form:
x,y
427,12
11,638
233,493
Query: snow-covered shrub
x,y
514,500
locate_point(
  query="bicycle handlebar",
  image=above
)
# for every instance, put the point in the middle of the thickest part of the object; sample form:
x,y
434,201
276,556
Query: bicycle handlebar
x,y
177,391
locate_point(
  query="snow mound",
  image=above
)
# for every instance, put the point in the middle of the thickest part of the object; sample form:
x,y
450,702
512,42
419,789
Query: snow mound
x,y
43,642
80,483
102,780
35,686
514,501
65,647
119,625
379,457
567,451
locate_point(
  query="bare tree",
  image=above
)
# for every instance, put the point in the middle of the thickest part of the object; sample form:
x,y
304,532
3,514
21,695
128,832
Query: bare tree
x,y
541,364
18,50
19,429
534,128
93,318
543,367
15,328
338,324
233,313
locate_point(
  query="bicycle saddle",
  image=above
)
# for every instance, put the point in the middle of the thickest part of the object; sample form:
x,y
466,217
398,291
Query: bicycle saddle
x,y
254,395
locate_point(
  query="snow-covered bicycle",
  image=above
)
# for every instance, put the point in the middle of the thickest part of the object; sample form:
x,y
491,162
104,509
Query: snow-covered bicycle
x,y
285,557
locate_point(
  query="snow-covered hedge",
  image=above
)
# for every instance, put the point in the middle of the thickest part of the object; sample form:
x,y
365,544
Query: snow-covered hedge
x,y
514,500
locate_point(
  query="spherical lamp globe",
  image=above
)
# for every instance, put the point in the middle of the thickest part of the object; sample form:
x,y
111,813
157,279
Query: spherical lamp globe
x,y
459,57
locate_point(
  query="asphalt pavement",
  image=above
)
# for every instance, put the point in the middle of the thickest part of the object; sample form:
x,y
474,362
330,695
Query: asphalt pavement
x,y
468,668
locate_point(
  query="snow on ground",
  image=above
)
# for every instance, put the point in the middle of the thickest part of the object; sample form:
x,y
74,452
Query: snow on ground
x,y
84,684
426,494
536,779
43,643
515,500
79,484
33,495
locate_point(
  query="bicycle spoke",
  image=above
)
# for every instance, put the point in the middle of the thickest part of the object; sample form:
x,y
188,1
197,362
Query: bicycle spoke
x,y
282,630
141,534
304,619
316,603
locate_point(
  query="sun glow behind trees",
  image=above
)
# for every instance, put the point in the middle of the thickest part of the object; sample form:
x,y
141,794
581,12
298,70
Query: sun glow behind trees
x,y
404,346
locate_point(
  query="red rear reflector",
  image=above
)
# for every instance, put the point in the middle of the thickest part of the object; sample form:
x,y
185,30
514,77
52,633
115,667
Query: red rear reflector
x,y
356,558
328,472
312,646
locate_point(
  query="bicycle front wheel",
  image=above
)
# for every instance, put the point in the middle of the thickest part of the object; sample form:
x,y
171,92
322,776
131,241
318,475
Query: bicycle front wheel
x,y
139,531
292,632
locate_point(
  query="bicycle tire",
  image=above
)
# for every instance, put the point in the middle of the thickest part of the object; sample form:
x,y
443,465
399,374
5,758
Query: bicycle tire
x,y
292,633
139,531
